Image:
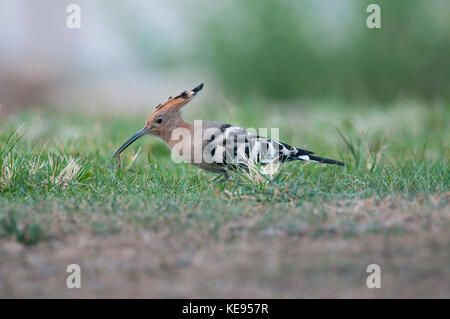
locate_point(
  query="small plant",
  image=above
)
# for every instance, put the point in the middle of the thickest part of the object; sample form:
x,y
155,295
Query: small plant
x,y
25,232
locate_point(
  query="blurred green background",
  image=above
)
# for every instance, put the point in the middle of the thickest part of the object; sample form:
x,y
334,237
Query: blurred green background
x,y
315,49
136,52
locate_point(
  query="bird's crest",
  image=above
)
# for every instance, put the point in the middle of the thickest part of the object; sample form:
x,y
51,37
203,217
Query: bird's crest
x,y
177,102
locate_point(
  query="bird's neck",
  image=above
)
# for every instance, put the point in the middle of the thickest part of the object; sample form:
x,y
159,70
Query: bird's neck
x,y
176,131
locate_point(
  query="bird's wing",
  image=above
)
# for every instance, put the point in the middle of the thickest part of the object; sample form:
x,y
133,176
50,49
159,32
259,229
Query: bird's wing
x,y
228,144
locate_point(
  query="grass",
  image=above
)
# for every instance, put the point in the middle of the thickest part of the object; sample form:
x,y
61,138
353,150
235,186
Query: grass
x,y
59,184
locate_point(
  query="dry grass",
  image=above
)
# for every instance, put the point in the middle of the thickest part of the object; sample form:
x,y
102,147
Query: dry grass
x,y
319,257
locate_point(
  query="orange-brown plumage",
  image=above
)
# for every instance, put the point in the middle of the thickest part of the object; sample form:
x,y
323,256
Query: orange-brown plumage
x,y
164,119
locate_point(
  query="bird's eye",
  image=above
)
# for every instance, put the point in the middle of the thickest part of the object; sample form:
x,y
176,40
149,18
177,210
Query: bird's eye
x,y
159,121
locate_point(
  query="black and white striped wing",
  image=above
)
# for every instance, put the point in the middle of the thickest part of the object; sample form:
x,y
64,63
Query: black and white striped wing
x,y
232,145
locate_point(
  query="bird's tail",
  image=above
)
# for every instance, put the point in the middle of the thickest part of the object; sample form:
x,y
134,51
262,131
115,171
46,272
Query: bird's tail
x,y
317,159
325,160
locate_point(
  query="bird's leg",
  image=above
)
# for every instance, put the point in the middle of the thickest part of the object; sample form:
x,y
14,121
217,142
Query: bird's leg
x,y
216,178
119,162
222,178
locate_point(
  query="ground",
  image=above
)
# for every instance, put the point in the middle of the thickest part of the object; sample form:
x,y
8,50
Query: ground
x,y
158,229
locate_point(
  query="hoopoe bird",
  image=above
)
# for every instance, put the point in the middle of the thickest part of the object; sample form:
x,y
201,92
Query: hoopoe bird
x,y
214,146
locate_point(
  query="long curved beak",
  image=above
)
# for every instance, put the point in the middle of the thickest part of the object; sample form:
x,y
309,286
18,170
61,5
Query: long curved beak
x,y
130,141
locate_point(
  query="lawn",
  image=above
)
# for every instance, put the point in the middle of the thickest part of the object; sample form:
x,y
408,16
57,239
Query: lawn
x,y
153,228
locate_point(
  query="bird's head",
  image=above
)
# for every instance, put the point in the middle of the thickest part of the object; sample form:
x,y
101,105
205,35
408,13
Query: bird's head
x,y
163,116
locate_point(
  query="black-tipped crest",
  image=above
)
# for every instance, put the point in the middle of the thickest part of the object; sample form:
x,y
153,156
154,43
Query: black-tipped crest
x,y
184,95
197,88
